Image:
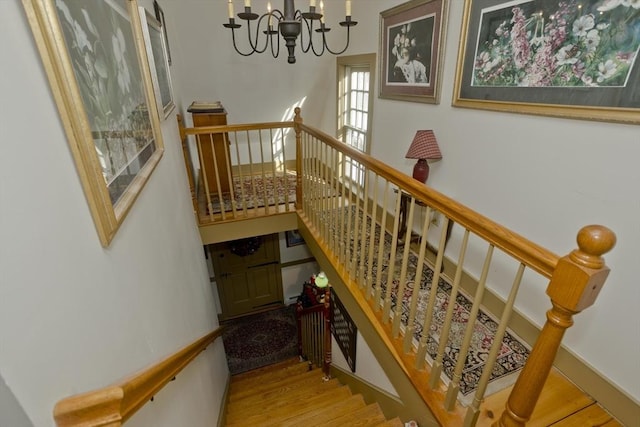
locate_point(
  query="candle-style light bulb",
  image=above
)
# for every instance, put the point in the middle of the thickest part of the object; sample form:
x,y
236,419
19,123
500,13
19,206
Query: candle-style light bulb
x,y
312,3
322,11
269,10
230,7
348,7
247,3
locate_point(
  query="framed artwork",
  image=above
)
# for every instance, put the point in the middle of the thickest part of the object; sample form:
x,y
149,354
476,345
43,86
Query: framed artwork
x,y
294,238
160,17
411,50
104,95
564,58
158,62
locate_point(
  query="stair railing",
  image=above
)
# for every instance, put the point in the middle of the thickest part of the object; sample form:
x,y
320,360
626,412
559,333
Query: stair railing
x,y
354,216
111,406
314,332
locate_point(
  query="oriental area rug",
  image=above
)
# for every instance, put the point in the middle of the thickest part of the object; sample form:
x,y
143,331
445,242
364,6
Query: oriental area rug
x,y
261,339
256,191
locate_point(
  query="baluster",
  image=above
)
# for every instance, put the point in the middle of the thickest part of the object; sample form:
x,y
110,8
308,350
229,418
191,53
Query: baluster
x,y
403,273
473,411
284,174
326,367
392,261
381,245
417,285
329,201
252,177
433,292
297,122
350,234
263,175
341,212
454,385
363,234
372,238
574,286
240,182
203,174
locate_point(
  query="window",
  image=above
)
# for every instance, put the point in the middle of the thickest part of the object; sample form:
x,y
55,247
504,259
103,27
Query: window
x,y
355,104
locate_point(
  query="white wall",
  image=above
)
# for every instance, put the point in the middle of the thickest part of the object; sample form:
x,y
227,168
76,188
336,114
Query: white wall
x,y
542,177
75,316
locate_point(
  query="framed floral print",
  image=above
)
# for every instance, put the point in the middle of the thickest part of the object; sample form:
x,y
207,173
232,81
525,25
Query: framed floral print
x,y
93,54
565,58
411,50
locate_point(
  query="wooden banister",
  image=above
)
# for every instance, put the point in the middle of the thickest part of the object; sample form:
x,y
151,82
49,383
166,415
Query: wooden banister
x,y
574,286
536,257
111,406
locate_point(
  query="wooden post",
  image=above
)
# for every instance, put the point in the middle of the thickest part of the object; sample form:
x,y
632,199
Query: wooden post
x,y
297,122
299,320
188,166
326,366
574,286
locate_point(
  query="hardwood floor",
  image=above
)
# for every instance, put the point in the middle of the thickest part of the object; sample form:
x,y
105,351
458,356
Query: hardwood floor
x,y
289,394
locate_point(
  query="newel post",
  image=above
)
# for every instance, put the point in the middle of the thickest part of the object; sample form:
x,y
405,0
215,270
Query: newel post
x,y
326,366
574,286
297,122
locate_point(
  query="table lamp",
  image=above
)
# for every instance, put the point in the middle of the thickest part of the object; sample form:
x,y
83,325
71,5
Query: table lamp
x,y
424,147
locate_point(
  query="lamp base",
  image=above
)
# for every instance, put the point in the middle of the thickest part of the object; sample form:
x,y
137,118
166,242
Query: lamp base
x,y
421,170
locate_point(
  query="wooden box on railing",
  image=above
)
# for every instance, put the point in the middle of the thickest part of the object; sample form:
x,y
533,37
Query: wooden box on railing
x,y
213,114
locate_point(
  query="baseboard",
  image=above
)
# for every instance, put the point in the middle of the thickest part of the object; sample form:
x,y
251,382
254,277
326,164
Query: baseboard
x,y
391,405
222,416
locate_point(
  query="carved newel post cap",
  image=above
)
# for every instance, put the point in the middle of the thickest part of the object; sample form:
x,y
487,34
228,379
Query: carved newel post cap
x,y
593,242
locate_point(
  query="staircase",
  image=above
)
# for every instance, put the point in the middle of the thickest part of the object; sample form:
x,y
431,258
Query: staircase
x,y
291,394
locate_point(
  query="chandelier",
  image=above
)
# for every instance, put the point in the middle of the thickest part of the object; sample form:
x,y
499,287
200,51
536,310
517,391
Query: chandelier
x,y
290,25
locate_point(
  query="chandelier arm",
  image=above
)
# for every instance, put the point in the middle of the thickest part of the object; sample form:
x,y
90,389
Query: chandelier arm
x,y
254,46
309,32
277,52
324,42
233,36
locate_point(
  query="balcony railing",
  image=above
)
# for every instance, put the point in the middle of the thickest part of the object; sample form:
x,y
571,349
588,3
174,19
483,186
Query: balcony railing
x,y
424,295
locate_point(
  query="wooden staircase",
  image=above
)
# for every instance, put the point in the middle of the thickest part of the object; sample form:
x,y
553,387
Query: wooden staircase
x,y
291,394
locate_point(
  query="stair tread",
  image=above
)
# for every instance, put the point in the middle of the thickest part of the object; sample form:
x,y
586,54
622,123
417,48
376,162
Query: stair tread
x,y
369,416
393,422
290,393
274,368
278,411
272,384
326,413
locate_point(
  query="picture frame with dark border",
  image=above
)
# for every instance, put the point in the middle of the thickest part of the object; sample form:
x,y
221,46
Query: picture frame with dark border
x,y
412,40
160,17
155,45
294,238
550,58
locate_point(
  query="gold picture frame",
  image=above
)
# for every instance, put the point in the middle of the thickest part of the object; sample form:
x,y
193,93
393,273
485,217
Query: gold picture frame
x,y
575,60
95,60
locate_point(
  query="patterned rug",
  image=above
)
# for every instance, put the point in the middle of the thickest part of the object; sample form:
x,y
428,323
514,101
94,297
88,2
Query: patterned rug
x,y
261,339
257,192
513,353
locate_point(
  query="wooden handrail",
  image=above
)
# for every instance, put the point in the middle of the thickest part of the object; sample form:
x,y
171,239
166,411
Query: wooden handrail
x,y
111,406
538,258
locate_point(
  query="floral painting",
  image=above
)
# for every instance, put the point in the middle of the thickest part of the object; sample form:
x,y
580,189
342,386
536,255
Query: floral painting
x,y
568,43
102,50
567,58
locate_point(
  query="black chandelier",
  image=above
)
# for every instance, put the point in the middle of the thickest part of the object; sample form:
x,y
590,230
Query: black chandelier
x,y
290,25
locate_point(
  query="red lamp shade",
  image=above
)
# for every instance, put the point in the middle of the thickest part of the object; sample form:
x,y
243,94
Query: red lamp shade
x,y
424,147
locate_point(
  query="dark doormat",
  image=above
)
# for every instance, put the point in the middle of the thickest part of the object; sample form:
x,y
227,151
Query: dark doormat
x,y
261,339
